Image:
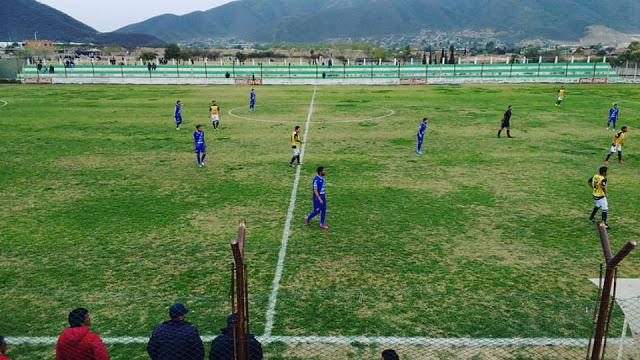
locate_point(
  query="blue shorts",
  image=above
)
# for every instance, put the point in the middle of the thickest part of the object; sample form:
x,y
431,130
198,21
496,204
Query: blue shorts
x,y
200,148
317,205
179,118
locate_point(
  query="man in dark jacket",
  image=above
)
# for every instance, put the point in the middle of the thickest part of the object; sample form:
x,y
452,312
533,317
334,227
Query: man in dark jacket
x,y
222,346
176,339
77,343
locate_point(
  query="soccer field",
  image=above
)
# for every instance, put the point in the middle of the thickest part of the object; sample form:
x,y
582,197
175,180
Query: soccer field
x,y
102,206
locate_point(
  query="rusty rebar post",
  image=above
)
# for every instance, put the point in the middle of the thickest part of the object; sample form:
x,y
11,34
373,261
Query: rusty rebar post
x,y
612,263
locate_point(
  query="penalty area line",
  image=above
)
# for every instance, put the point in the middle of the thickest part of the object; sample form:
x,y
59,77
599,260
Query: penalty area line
x,y
3,103
273,296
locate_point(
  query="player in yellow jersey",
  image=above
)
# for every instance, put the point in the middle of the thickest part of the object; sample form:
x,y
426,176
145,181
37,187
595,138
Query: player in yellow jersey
x,y
214,114
598,185
560,96
296,144
616,145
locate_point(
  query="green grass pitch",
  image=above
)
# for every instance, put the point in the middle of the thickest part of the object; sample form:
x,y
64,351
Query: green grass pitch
x,y
102,205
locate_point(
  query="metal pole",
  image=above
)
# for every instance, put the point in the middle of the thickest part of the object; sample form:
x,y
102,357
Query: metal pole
x,y
538,69
289,70
612,263
260,71
454,69
178,68
344,70
233,68
121,71
372,69
635,73
316,69
566,70
93,69
594,69
206,74
481,70
511,70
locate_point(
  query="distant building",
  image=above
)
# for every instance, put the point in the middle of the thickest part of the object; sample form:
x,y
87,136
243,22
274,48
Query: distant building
x,y
38,44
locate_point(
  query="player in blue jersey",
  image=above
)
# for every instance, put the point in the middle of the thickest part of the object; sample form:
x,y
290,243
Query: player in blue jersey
x,y
252,100
199,146
421,130
319,199
177,114
613,116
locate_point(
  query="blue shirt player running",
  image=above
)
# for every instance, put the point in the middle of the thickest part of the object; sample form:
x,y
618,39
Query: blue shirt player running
x,y
319,199
252,100
421,130
199,146
613,116
177,114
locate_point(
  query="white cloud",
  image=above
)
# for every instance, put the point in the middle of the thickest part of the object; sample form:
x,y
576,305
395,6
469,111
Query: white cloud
x,y
109,15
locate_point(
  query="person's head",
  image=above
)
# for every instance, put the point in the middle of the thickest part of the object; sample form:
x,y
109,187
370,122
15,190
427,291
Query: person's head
x,y
510,107
232,320
213,102
79,317
615,106
321,171
603,170
390,354
3,345
297,129
178,312
251,90
178,102
562,87
425,120
198,128
623,129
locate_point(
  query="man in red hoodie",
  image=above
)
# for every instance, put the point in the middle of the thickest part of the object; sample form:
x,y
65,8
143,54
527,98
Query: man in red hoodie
x,y
77,342
3,349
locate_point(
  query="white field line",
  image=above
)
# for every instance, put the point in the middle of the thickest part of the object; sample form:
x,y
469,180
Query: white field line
x,y
347,340
3,103
273,297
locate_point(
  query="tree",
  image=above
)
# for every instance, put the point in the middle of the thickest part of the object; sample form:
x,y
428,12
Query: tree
x,y
490,47
452,59
148,56
241,56
172,51
531,52
634,46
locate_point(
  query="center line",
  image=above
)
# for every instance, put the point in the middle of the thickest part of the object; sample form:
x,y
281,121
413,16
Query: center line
x,y
273,297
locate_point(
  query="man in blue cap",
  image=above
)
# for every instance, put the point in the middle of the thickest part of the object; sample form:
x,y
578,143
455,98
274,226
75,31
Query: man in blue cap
x,y
176,339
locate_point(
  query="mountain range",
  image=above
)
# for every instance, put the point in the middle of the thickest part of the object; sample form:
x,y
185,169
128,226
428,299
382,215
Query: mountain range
x,y
324,20
20,19
317,20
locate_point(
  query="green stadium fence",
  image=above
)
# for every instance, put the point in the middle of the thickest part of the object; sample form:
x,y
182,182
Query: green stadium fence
x,y
316,74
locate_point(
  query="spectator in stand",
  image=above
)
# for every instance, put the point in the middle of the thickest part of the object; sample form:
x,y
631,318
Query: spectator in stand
x,y
3,349
52,70
222,346
39,66
149,66
390,354
77,343
176,339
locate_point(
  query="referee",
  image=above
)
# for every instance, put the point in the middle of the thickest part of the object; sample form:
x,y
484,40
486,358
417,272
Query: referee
x,y
505,122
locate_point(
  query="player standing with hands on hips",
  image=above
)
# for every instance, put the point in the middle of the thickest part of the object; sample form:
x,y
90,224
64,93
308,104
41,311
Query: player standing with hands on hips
x,y
199,146
598,185
421,130
214,113
319,199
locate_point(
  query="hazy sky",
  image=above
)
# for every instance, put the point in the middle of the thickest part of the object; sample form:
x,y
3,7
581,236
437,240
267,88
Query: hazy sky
x,y
108,15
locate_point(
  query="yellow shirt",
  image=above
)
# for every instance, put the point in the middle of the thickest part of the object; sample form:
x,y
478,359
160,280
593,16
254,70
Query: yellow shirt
x,y
618,139
294,139
597,182
561,93
214,110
